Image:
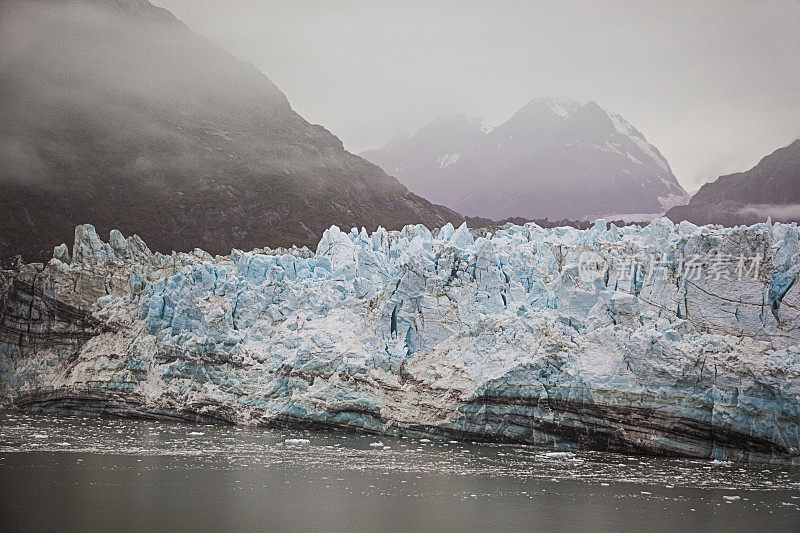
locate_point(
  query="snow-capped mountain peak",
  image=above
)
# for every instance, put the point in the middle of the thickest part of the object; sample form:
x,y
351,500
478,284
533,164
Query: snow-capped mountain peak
x,y
553,158
562,108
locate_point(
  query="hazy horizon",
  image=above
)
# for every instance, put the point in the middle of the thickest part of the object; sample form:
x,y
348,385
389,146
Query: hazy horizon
x,y
713,85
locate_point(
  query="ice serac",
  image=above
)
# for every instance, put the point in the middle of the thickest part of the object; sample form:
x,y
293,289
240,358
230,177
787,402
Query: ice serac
x,y
554,337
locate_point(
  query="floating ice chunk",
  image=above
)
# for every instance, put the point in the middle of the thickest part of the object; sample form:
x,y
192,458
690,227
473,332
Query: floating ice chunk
x,y
194,433
296,442
376,444
557,455
718,462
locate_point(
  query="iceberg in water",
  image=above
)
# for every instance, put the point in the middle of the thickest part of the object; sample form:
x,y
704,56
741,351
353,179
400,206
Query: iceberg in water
x,y
664,339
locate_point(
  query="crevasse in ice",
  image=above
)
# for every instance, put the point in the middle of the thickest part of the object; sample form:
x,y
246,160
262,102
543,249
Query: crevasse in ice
x,y
666,339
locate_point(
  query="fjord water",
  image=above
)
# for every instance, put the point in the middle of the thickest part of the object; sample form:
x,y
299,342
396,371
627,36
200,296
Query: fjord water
x,y
101,474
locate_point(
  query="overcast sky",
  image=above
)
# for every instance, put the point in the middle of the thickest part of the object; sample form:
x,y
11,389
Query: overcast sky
x,y
714,85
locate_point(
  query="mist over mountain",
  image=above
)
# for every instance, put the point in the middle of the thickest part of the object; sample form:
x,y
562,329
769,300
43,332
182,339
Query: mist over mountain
x,y
556,159
769,189
114,113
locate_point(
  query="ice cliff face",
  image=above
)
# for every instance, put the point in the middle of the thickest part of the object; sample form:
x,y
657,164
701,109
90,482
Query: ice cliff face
x,y
603,338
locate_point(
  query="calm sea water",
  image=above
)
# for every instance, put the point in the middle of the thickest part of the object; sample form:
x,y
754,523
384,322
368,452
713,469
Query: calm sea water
x,y
97,474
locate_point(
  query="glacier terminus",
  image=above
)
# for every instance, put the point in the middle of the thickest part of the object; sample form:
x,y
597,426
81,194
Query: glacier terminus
x,y
498,334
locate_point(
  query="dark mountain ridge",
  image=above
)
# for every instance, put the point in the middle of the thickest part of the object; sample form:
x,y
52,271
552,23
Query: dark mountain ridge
x,y
769,189
116,114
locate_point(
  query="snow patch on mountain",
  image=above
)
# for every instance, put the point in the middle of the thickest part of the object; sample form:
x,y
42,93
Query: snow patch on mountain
x,y
625,128
562,108
608,147
671,200
448,159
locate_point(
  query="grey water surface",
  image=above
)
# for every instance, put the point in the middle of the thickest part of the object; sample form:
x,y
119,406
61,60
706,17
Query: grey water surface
x,y
109,474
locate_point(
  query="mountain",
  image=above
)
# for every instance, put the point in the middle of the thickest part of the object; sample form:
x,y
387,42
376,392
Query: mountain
x,y
769,189
114,113
556,159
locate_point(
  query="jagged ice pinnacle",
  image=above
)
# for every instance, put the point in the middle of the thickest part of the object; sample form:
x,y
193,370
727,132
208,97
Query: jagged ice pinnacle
x,y
505,335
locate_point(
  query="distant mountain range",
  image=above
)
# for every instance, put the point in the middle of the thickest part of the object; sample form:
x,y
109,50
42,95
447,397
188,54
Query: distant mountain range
x,y
769,189
114,113
555,159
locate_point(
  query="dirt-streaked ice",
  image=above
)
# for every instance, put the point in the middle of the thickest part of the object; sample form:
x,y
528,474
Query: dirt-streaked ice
x,y
681,340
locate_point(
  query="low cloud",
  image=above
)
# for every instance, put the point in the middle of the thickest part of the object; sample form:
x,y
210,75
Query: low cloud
x,y
777,212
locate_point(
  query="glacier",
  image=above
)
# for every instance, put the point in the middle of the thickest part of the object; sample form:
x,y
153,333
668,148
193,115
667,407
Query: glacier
x,y
599,339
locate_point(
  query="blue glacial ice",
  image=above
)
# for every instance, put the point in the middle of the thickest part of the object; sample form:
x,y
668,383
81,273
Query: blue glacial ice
x,y
665,339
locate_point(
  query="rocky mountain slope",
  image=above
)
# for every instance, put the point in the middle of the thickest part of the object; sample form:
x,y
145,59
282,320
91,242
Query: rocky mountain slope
x,y
115,113
769,189
550,159
671,340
